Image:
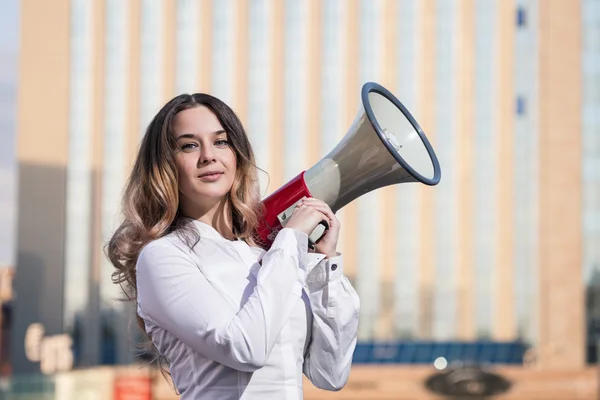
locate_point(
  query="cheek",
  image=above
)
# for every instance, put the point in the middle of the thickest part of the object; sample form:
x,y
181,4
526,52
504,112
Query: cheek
x,y
231,162
185,169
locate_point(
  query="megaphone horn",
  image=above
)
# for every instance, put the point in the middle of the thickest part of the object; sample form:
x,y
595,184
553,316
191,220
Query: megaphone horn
x,y
384,146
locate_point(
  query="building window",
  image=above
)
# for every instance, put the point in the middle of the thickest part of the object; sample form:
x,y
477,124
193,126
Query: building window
x,y
521,17
521,106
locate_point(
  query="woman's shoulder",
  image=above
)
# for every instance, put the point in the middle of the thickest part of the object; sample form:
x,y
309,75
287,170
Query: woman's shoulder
x,y
259,252
168,244
167,250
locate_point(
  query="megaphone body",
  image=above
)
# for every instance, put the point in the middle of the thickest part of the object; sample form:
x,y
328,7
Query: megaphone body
x,y
384,146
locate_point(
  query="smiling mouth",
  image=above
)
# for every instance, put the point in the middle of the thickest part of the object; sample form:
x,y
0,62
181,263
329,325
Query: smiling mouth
x,y
210,176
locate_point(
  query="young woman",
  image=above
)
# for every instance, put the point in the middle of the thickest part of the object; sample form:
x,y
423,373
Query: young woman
x,y
233,321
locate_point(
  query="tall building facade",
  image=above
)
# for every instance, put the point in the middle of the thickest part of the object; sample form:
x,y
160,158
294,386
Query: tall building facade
x,y
497,250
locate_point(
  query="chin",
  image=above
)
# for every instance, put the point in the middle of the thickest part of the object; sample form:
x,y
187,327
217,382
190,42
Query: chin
x,y
214,194
205,193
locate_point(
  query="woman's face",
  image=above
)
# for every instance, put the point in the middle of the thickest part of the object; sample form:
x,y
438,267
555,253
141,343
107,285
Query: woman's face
x,y
205,161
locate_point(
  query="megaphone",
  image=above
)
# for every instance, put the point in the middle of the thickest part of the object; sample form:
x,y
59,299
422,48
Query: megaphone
x,y
384,146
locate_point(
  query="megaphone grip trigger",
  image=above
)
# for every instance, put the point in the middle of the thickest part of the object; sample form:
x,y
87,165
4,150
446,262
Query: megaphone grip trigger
x,y
317,233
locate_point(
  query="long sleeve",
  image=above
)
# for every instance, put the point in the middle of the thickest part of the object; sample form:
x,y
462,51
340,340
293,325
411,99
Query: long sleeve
x,y
335,307
175,295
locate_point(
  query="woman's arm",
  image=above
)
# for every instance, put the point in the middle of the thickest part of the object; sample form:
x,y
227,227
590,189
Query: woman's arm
x,y
335,307
174,294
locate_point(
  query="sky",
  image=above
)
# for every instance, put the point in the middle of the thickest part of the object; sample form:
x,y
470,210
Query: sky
x,y
9,46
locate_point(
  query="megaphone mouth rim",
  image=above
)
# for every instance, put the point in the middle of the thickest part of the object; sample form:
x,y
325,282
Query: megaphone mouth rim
x,y
377,88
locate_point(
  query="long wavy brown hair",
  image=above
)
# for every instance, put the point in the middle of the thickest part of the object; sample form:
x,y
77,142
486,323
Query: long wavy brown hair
x,y
150,204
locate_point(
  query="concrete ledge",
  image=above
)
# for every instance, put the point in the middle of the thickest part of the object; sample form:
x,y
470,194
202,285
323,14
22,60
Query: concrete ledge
x,y
406,382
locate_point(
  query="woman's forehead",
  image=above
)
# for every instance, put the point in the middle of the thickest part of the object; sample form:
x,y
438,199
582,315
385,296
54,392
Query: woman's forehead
x,y
198,121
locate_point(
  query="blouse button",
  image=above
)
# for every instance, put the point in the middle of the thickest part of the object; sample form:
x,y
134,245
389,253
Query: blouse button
x,y
333,267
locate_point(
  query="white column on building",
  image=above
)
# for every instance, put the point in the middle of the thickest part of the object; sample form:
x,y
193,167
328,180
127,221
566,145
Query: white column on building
x,y
333,126
446,193
408,210
78,262
114,164
296,87
526,170
187,37
486,176
115,134
332,86
9,75
591,145
259,87
151,65
369,227
223,51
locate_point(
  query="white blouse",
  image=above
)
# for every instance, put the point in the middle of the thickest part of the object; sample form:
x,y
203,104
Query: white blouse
x,y
236,322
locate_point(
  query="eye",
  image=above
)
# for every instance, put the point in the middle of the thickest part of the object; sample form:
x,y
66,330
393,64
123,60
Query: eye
x,y
188,146
222,143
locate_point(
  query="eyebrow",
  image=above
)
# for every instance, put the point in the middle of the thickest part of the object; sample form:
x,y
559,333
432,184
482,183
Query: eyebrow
x,y
193,136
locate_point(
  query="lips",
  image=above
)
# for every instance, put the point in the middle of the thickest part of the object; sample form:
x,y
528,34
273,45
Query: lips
x,y
210,176
210,173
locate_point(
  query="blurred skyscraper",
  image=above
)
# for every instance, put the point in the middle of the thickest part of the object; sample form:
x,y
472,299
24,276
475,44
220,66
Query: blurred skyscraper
x,y
507,91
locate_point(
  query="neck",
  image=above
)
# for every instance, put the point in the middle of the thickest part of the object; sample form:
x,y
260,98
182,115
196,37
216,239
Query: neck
x,y
217,215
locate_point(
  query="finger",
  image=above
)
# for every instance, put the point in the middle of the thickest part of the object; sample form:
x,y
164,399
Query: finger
x,y
322,206
318,206
312,200
319,212
318,203
299,209
326,211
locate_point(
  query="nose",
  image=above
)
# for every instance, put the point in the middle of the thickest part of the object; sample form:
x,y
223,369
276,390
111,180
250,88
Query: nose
x,y
206,155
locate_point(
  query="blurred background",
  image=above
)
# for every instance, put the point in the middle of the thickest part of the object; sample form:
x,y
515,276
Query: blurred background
x,y
487,285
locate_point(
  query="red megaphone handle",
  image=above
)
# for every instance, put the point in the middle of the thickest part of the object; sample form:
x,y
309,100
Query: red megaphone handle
x,y
276,203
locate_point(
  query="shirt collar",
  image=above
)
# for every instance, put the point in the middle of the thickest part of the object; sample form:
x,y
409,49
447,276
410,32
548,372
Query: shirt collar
x,y
207,230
